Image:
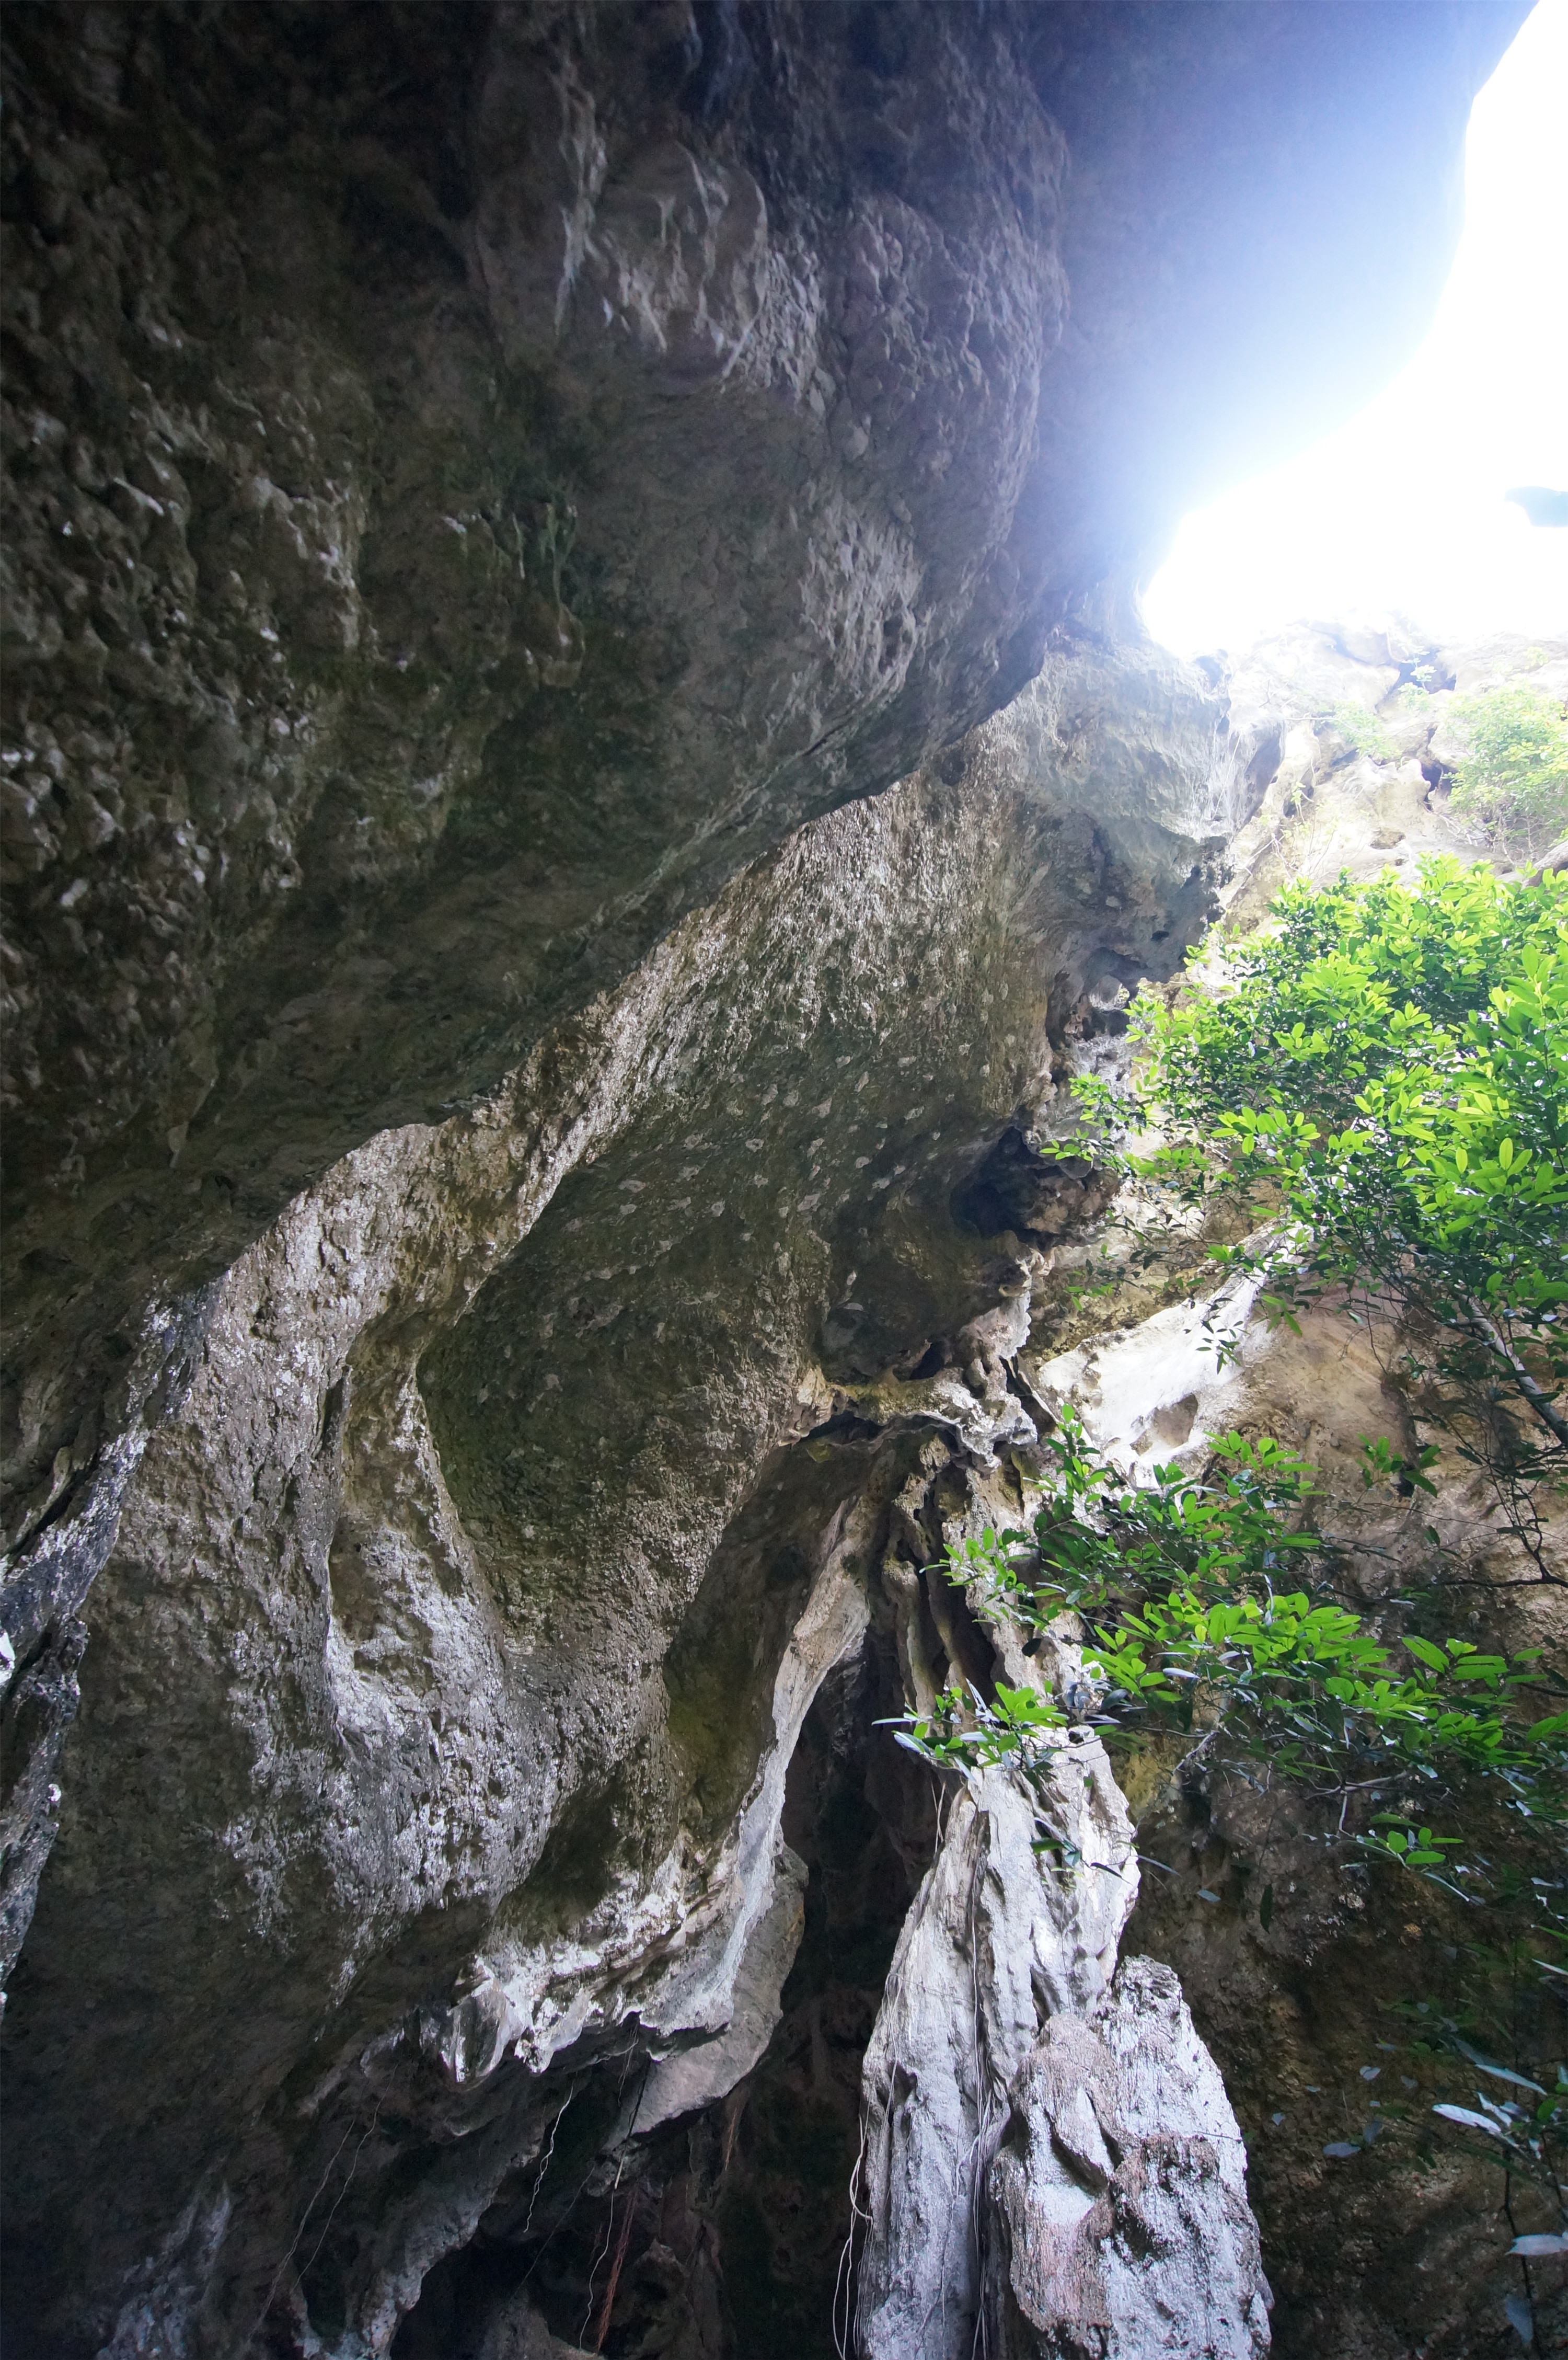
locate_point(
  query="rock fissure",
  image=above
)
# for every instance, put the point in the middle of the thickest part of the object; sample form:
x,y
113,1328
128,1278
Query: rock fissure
x,y
580,775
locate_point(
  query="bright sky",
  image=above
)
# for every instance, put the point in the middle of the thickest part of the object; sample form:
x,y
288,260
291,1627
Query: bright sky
x,y
1402,510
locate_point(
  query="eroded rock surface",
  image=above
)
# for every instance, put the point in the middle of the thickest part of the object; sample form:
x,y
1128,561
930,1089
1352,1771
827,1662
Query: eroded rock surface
x,y
463,516
480,474
483,1568
1119,2192
531,1173
1356,721
1000,1939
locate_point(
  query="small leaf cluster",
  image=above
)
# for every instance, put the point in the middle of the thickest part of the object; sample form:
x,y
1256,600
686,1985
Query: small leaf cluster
x,y
1529,2135
1186,1588
1363,729
964,1732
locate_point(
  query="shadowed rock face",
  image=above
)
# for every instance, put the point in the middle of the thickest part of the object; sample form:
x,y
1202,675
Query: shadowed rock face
x,y
527,462
481,475
460,1589
530,1154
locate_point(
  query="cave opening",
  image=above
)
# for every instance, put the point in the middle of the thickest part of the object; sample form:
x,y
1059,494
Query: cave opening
x,y
581,771
727,2230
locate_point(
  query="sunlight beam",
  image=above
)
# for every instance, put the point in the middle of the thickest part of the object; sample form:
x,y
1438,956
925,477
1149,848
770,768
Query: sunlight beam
x,y
1405,509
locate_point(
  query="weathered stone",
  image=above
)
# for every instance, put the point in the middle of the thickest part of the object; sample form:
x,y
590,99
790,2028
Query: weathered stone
x,y
514,1267
1379,796
1001,1936
1118,2194
478,476
469,1564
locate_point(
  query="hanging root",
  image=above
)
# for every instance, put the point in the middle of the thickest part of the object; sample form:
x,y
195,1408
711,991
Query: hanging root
x,y
843,2279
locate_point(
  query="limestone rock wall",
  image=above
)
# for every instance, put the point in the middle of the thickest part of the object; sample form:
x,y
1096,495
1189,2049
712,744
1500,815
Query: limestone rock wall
x,y
481,472
1355,722
530,1158
996,1943
1120,2189
472,1598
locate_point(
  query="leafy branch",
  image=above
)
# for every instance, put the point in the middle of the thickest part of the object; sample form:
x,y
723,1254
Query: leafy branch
x,y
1180,1586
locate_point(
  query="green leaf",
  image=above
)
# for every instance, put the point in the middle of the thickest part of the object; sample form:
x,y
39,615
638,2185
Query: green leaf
x,y
1425,1653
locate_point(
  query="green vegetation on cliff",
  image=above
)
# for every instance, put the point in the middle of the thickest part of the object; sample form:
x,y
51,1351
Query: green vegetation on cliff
x,y
1513,779
1377,1081
1382,1075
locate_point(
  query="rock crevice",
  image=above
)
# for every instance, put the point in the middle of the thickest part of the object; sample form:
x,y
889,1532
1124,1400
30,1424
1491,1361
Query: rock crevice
x,y
580,773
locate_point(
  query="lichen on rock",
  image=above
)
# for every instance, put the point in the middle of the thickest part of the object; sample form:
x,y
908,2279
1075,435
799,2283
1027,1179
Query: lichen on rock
x,y
498,1559
580,774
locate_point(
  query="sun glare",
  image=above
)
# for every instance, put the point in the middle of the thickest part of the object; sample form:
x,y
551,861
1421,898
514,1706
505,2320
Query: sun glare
x,y
1403,509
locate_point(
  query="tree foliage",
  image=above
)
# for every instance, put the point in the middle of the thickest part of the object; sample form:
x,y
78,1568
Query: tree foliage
x,y
1513,779
1362,730
1210,1606
1382,1075
1379,1079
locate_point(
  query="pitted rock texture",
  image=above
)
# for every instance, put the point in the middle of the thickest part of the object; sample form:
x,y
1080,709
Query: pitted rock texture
x,y
462,517
503,1162
480,473
999,1941
1118,2192
446,1674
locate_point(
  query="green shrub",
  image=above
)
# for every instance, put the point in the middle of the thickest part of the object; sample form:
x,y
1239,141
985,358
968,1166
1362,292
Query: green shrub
x,y
1382,1077
1362,731
1513,782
